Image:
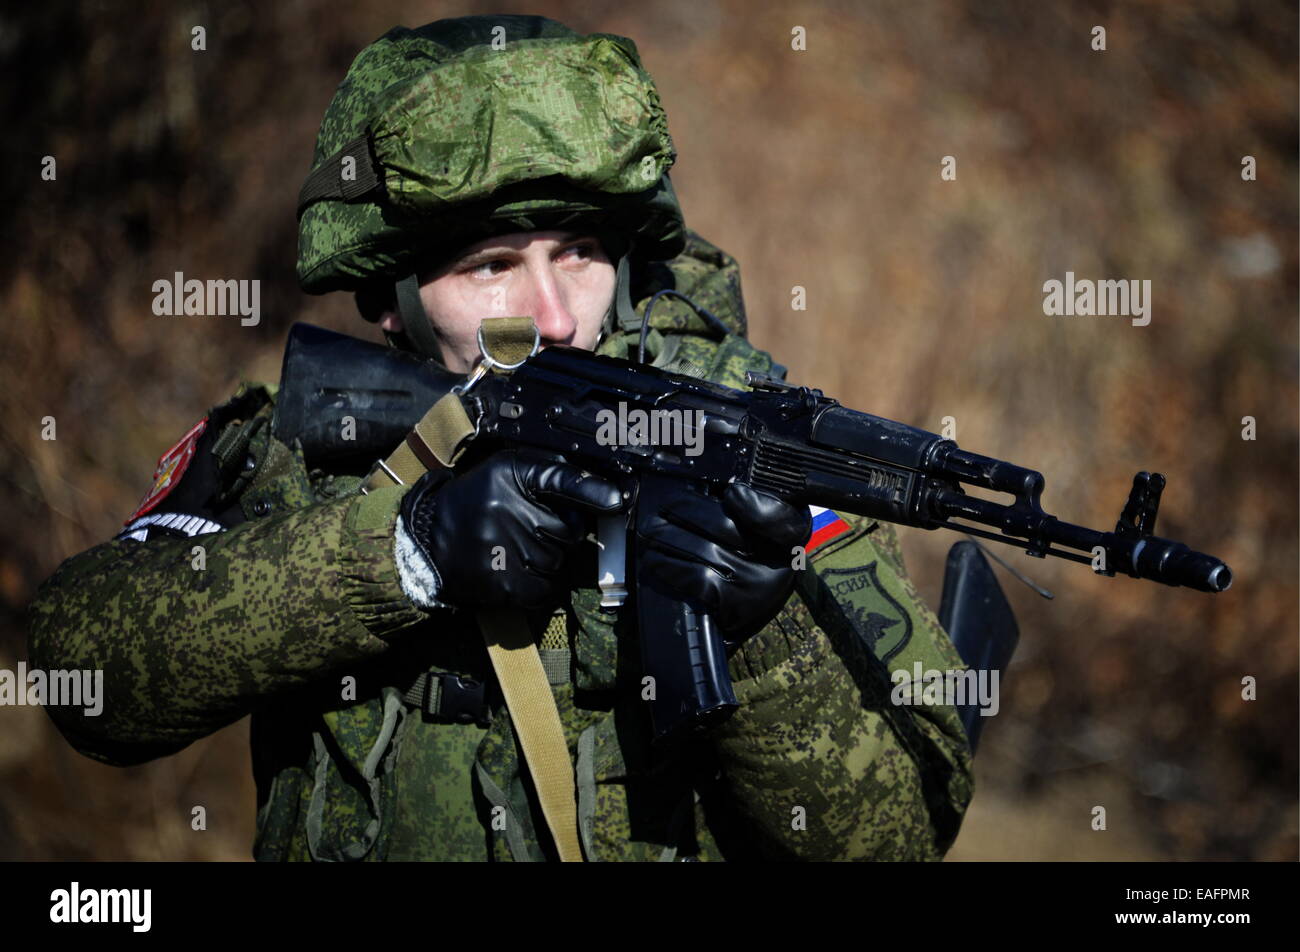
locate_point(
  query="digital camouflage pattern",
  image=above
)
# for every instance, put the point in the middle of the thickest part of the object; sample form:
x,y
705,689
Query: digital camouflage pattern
x,y
480,125
303,595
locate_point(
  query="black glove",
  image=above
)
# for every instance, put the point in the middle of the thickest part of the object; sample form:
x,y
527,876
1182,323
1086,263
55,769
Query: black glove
x,y
529,504
732,558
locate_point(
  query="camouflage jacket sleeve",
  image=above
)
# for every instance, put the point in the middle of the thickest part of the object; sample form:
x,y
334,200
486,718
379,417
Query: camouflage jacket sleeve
x,y
193,631
819,758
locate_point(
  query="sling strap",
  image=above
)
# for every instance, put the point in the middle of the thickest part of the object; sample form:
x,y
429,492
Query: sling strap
x,y
438,440
536,719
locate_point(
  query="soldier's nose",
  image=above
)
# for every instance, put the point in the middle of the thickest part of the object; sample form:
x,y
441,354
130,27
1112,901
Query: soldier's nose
x,y
555,322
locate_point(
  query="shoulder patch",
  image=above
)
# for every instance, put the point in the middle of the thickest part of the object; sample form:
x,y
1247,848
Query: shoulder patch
x,y
171,467
826,527
876,612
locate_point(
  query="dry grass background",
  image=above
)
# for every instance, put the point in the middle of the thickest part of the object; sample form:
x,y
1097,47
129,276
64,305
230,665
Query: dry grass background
x,y
817,168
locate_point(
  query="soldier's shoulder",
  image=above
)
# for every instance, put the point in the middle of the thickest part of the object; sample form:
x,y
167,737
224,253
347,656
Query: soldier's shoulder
x,y
706,274
234,424
726,361
251,400
191,489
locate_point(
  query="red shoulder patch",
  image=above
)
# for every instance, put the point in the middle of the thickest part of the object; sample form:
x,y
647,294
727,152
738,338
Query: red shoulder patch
x,y
171,467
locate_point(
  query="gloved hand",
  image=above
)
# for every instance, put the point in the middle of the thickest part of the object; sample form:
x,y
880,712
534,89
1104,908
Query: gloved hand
x,y
530,505
732,558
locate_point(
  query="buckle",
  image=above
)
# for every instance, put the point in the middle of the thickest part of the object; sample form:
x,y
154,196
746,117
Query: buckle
x,y
462,700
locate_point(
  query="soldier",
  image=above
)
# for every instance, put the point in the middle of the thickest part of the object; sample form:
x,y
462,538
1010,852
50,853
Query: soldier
x,y
477,167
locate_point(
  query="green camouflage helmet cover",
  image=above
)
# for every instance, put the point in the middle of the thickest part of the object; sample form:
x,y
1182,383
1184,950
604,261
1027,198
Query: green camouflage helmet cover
x,y
444,135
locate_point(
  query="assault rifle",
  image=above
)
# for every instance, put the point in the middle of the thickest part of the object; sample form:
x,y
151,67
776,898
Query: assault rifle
x,y
790,441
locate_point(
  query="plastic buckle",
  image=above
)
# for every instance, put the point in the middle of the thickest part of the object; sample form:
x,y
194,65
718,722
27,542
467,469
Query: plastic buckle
x,y
463,700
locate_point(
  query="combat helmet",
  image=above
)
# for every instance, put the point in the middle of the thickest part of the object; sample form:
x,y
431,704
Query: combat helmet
x,y
444,135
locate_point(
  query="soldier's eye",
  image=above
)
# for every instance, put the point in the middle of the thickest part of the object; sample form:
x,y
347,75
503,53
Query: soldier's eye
x,y
579,253
488,269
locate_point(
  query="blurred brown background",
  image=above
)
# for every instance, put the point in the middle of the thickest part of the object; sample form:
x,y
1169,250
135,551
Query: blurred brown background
x,y
818,168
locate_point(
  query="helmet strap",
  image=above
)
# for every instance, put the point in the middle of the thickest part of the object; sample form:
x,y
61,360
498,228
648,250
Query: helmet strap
x,y
416,323
621,316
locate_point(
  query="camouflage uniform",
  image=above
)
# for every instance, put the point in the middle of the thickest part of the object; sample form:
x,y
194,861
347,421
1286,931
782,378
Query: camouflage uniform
x,y
296,615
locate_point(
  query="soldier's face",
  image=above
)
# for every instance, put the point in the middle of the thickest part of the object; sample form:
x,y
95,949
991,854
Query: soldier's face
x,y
562,280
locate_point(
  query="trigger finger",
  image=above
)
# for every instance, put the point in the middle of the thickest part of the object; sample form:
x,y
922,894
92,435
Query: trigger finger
x,y
568,485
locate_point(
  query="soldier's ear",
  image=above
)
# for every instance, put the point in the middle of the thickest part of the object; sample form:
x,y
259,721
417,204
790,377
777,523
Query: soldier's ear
x,y
376,300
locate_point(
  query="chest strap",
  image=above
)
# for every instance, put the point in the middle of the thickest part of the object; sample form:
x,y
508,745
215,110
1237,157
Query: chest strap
x,y
451,697
463,700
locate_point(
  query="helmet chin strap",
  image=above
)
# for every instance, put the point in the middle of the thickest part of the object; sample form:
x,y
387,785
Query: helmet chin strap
x,y
416,324
620,315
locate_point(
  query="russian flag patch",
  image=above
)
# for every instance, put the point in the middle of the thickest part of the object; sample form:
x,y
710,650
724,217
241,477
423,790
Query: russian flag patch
x,y
826,526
